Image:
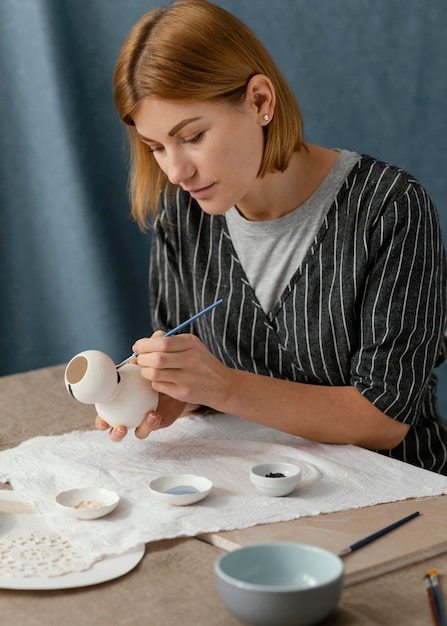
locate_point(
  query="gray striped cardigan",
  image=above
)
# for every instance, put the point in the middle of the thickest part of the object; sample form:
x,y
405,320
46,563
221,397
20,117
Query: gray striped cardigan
x,y
366,307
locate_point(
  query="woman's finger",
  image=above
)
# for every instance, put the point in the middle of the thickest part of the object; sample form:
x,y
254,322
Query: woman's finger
x,y
118,433
152,421
100,424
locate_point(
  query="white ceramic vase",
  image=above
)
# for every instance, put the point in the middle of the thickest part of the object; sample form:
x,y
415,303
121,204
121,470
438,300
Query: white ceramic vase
x,y
121,397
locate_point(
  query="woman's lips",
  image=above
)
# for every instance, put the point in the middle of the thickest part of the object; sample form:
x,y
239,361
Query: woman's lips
x,y
200,193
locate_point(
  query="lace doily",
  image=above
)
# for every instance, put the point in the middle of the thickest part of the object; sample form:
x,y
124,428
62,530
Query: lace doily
x,y
39,554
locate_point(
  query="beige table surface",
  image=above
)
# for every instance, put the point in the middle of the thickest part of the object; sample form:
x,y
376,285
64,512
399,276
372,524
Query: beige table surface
x,y
174,583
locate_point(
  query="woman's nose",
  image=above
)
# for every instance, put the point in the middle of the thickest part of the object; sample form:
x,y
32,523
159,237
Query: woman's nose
x,y
179,169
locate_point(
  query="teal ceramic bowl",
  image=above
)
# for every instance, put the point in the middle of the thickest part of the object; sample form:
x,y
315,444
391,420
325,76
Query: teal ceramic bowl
x,y
279,583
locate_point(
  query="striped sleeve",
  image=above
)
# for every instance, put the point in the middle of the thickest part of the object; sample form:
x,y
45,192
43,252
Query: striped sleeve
x,y
402,304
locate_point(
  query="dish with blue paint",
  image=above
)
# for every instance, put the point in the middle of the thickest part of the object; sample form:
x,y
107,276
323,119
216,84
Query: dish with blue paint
x,y
180,489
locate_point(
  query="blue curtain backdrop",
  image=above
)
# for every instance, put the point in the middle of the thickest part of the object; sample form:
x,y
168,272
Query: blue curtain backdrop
x,y
370,75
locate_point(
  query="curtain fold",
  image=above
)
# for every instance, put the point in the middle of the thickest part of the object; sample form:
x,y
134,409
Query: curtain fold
x,y
74,266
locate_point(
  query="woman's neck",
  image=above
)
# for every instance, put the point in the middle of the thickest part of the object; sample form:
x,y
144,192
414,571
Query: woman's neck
x,y
280,193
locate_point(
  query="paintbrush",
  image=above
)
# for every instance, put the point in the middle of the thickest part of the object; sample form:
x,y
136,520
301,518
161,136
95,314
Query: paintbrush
x,y
432,601
434,581
376,535
175,330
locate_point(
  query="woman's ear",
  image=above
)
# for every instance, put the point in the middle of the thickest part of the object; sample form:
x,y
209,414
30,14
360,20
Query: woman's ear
x,y
260,94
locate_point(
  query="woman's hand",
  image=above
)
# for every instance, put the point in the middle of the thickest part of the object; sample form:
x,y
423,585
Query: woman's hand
x,y
182,367
168,410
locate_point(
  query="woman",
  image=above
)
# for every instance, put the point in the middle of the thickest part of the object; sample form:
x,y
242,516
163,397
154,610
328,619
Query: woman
x,y
330,264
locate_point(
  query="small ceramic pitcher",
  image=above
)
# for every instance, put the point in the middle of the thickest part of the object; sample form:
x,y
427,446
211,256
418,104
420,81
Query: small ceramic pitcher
x,y
121,397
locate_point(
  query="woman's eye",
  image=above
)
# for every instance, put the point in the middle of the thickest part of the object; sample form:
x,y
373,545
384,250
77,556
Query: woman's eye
x,y
152,149
194,139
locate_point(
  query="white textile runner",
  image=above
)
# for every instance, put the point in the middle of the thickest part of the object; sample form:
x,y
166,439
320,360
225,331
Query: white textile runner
x,y
220,447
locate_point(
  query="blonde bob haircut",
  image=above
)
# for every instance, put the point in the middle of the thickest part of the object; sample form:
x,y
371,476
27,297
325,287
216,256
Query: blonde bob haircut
x,y
194,50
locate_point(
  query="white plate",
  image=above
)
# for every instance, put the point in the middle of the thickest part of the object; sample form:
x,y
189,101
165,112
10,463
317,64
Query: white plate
x,y
101,571
108,569
180,489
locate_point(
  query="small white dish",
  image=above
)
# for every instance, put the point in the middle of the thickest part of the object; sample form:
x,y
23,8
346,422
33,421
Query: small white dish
x,y
87,502
275,479
180,489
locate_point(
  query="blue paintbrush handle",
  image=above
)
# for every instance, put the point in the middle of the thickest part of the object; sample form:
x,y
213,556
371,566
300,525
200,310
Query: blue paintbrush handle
x,y
192,319
176,329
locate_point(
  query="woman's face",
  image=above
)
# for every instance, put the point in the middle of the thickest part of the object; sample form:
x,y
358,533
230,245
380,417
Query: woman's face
x,y
212,150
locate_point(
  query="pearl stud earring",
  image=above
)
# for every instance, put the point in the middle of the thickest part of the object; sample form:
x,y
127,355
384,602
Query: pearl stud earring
x,y
265,117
